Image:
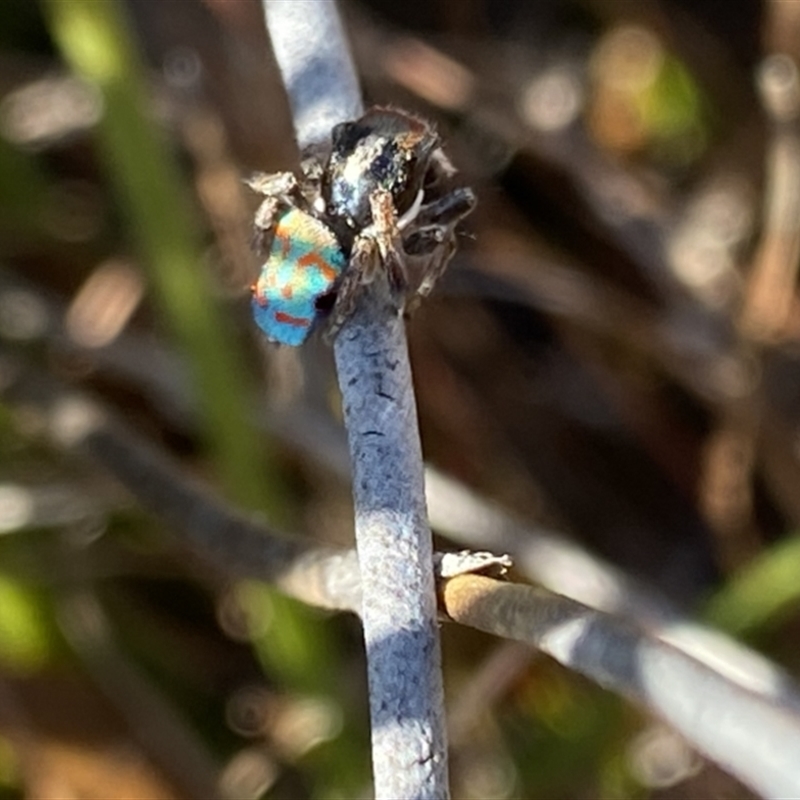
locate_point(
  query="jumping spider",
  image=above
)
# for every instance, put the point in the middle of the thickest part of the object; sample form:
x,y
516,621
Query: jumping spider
x,y
378,198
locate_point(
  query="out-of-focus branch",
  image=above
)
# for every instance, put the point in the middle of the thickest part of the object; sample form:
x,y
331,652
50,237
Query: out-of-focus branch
x,y
697,679
95,40
771,291
547,557
727,485
151,716
241,546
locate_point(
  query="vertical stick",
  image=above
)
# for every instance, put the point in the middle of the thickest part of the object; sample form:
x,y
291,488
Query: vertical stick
x,y
392,533
314,59
395,554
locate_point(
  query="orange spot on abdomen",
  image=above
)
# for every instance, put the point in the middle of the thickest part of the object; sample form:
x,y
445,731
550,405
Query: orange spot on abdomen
x,y
288,319
314,259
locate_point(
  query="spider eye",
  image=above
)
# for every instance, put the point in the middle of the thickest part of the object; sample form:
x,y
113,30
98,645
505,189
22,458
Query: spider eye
x,y
388,167
382,166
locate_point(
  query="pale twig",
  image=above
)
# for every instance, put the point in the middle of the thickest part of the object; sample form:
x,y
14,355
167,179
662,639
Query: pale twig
x,y
328,579
546,556
395,550
393,537
314,59
664,669
757,741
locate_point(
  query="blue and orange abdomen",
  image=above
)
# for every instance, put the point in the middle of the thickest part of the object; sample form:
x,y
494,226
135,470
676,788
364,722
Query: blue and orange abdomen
x,y
303,265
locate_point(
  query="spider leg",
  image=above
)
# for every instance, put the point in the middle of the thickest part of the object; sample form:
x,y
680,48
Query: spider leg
x,y
363,259
385,231
277,189
431,241
274,184
447,209
378,246
440,170
437,263
409,216
264,224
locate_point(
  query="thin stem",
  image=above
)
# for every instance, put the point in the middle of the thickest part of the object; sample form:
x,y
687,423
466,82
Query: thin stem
x,y
314,59
392,532
724,698
724,715
394,551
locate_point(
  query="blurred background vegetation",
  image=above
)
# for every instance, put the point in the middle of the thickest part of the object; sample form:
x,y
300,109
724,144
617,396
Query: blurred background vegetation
x,y
614,353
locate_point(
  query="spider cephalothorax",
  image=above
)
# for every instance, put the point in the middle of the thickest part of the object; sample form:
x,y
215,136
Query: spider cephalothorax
x,y
378,199
385,149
